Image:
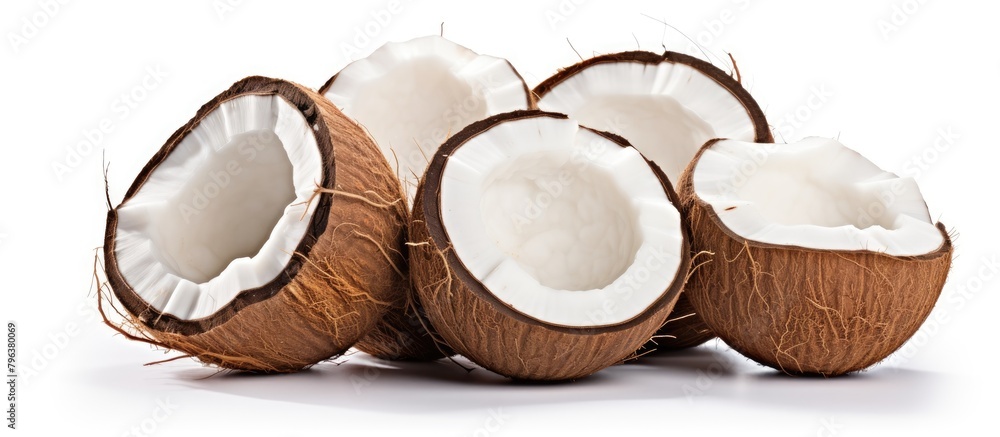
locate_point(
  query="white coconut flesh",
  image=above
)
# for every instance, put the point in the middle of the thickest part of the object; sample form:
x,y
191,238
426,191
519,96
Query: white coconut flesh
x,y
815,194
411,96
224,211
560,223
667,111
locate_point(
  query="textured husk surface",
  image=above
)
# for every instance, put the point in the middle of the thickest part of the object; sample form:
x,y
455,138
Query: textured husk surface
x,y
486,330
404,334
343,276
684,328
807,311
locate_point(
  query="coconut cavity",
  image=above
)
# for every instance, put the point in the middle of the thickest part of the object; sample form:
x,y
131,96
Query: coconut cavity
x,y
411,96
667,106
224,212
815,194
532,208
659,126
410,135
537,211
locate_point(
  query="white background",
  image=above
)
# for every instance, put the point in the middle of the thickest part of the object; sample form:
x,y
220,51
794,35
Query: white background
x,y
890,84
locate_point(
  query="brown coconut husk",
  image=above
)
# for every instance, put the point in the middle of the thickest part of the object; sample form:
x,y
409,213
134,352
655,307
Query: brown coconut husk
x,y
404,334
684,328
489,332
807,311
343,276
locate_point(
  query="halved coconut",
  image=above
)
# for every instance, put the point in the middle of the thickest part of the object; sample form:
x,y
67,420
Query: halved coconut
x,y
824,263
265,235
545,250
411,96
667,105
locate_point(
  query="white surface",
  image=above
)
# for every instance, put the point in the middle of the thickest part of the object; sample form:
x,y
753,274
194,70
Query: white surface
x,y
920,103
511,202
225,211
412,95
815,193
667,110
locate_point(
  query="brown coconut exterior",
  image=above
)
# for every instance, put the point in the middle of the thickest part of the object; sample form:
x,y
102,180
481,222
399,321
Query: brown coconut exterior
x,y
341,280
488,331
684,328
806,311
404,333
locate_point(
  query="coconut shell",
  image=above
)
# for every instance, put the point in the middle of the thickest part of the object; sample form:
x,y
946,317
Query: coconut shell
x,y
489,332
404,334
807,311
684,327
342,278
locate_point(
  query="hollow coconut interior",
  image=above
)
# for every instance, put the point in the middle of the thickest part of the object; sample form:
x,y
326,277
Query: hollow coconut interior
x,y
815,194
560,223
411,96
224,211
666,110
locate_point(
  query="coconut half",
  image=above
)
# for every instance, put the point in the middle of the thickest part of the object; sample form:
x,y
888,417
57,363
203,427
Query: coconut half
x,y
823,263
411,96
667,106
545,250
265,235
